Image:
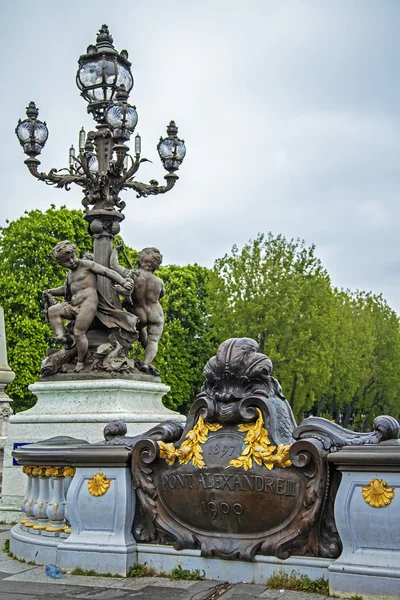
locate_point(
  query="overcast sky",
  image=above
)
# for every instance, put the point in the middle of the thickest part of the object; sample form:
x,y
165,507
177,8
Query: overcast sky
x,y
290,110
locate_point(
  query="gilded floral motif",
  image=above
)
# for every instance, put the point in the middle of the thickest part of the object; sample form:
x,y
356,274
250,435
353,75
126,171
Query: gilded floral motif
x,y
259,448
377,494
190,450
69,471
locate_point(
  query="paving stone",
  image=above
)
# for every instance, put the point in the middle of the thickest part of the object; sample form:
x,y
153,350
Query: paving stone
x,y
96,593
202,588
149,593
290,595
165,582
8,565
239,597
36,590
2,575
244,590
271,594
38,575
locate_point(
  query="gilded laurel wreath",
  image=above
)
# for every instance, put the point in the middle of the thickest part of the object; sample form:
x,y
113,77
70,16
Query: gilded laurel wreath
x,y
259,448
190,450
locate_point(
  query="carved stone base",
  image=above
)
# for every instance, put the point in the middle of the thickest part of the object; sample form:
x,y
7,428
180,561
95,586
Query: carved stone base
x,y
165,558
81,409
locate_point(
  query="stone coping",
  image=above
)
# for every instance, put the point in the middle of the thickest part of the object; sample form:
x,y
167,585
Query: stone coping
x,y
98,384
382,457
78,454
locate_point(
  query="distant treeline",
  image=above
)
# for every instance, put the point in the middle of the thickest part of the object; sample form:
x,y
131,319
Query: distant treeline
x,y
336,353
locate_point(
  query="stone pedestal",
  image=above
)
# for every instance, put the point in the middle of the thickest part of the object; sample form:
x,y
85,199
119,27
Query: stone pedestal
x,y
101,518
367,509
79,409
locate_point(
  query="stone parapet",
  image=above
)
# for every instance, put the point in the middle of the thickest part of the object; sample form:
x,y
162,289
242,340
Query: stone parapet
x,y
367,509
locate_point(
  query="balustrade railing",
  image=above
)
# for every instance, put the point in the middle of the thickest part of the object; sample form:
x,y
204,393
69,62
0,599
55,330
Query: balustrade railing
x,y
44,504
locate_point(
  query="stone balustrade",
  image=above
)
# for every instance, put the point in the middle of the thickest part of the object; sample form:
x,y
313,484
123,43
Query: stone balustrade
x,y
44,503
78,507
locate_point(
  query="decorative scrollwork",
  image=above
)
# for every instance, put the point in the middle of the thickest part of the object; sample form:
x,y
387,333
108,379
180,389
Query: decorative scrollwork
x,y
152,188
144,451
258,448
333,437
54,177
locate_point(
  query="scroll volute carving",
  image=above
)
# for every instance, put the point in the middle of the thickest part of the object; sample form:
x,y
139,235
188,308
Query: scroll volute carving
x,y
234,483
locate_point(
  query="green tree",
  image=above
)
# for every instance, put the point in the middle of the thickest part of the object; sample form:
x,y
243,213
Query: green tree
x,y
277,292
185,346
27,268
365,378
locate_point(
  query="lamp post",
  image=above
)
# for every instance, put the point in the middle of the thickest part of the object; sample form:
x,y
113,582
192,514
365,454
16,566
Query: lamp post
x,y
103,166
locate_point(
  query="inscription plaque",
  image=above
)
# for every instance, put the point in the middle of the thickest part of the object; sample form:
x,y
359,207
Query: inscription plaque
x,y
225,499
235,482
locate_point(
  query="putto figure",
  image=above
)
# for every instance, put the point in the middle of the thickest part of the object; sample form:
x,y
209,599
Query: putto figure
x,y
82,300
144,301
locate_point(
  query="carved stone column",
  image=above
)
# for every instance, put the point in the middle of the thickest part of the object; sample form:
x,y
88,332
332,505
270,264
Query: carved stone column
x,y
40,506
35,486
6,376
56,505
27,497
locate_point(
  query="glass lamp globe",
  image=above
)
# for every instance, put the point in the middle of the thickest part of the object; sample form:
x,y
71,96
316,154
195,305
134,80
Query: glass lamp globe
x,y
32,134
171,149
121,116
101,71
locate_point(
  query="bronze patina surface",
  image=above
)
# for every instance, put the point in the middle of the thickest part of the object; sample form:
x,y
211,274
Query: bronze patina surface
x,y
235,482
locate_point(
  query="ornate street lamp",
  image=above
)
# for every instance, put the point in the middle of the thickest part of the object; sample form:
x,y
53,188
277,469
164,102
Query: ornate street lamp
x,y
103,166
32,133
102,70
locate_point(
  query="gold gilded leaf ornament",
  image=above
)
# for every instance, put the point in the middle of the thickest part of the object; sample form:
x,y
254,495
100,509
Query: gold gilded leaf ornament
x,y
259,448
190,450
98,485
377,494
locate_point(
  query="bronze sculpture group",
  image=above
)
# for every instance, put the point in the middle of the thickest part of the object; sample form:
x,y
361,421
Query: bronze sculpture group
x,y
84,306
97,339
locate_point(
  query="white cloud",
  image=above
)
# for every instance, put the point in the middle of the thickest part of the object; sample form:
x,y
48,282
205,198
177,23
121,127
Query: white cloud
x,y
289,111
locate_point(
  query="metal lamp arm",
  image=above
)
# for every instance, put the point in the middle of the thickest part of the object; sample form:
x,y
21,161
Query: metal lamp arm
x,y
53,177
151,189
83,163
132,170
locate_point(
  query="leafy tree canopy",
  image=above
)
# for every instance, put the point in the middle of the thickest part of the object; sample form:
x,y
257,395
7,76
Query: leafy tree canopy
x,y
336,353
28,269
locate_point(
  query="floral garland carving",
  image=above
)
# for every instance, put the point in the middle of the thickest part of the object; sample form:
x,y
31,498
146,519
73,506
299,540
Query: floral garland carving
x,y
259,448
190,450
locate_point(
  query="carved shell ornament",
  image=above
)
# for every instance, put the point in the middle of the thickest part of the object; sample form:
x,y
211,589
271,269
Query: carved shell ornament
x,y
377,494
98,485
